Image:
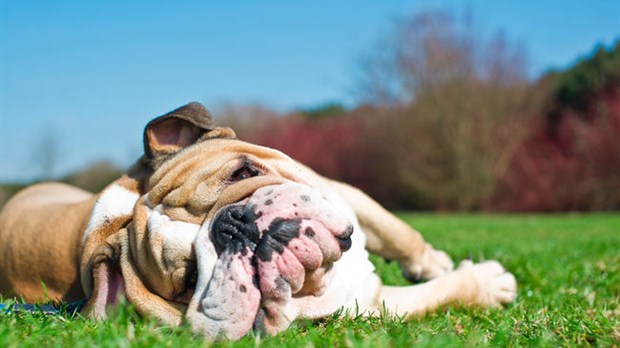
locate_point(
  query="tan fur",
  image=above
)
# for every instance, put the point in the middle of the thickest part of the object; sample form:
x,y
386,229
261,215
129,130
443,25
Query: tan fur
x,y
40,234
392,238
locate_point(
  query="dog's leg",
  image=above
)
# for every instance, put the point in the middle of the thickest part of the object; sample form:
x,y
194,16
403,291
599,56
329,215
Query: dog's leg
x,y
483,284
392,238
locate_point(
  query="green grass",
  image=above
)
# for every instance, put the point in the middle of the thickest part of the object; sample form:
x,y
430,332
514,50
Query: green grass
x,y
567,267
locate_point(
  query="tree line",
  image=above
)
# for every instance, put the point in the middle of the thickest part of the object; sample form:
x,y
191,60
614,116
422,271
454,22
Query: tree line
x,y
447,119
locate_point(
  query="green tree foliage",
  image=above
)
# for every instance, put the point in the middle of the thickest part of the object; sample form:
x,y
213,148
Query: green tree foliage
x,y
578,87
325,111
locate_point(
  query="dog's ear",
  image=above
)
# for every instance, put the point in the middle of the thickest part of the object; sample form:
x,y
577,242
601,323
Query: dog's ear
x,y
168,134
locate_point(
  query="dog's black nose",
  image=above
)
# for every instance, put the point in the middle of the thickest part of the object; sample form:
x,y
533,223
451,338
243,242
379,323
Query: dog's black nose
x,y
234,229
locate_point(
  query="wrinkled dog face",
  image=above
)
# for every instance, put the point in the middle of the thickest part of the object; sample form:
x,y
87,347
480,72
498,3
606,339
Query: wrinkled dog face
x,y
229,232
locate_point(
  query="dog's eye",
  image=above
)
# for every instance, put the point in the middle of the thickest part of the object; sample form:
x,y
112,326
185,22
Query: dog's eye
x,y
244,173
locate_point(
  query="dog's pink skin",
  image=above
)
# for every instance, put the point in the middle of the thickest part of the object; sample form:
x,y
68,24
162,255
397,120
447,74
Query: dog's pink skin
x,y
294,201
307,252
315,247
304,260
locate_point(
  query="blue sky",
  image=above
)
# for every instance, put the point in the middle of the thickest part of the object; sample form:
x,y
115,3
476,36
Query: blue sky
x,y
93,73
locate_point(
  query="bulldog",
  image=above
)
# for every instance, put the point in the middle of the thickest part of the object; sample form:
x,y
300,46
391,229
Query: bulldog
x,y
227,236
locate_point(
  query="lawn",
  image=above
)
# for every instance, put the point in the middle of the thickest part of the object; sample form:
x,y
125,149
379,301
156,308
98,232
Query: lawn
x,y
567,267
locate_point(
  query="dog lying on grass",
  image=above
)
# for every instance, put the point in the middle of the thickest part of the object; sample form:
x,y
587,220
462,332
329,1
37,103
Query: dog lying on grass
x,y
228,236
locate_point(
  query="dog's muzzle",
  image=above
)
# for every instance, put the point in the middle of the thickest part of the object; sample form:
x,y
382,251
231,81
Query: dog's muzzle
x,y
268,248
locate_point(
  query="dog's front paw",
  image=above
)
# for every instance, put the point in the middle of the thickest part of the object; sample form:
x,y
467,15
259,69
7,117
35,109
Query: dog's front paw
x,y
432,264
493,285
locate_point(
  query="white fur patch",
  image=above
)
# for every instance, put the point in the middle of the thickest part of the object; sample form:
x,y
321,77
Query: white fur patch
x,y
351,279
206,257
176,234
114,202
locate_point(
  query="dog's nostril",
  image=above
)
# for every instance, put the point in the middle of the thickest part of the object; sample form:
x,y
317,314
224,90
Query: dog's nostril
x,y
237,214
234,229
345,243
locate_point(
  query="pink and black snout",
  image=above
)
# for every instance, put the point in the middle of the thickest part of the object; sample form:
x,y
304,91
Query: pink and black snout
x,y
235,230
287,211
271,246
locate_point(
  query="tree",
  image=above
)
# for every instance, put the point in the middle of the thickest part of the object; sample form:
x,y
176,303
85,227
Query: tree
x,y
453,105
570,160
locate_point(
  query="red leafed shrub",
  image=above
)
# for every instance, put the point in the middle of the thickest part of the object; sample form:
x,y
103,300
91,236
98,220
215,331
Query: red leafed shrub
x,y
571,159
573,165
349,146
321,144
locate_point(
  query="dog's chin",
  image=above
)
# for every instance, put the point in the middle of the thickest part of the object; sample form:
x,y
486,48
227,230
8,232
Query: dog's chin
x,y
227,306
